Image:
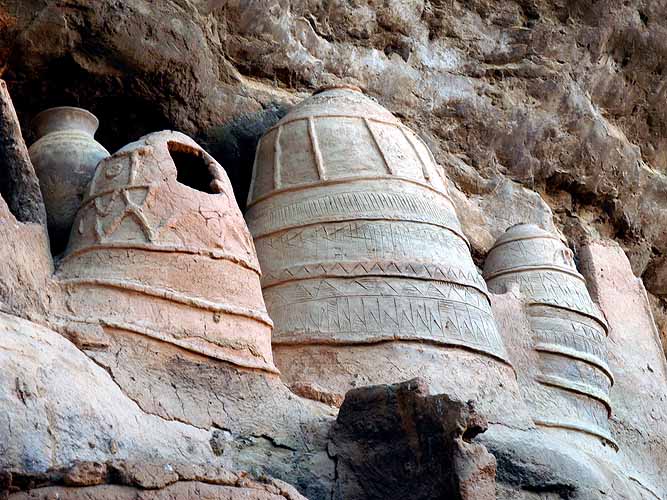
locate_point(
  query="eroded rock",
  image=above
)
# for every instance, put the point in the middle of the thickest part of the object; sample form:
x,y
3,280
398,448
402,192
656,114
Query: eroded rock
x,y
560,98
60,407
182,490
639,420
19,186
397,441
152,480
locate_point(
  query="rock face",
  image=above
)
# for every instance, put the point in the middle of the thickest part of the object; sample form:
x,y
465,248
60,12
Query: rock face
x,y
60,407
26,263
549,113
185,490
637,361
146,480
25,285
19,185
562,98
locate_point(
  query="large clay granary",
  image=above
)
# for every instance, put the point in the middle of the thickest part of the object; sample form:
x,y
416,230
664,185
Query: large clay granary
x,y
356,250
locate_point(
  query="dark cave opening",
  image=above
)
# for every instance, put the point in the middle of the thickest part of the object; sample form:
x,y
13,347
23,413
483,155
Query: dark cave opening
x,y
233,145
128,108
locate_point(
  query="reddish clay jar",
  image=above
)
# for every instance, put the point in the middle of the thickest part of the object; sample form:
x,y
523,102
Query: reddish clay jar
x,y
160,249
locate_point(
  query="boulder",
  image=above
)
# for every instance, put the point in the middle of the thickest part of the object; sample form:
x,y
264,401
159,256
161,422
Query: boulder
x,y
60,407
397,441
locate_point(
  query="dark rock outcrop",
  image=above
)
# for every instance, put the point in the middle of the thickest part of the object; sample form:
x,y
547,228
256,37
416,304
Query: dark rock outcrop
x,y
396,441
18,183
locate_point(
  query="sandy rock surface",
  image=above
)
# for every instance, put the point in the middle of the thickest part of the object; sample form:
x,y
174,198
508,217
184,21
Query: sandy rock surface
x,y
546,112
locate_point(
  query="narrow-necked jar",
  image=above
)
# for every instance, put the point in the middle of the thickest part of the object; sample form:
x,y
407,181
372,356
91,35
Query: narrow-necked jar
x,y
64,156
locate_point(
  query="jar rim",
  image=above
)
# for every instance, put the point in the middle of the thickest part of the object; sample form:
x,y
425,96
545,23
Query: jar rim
x,y
88,120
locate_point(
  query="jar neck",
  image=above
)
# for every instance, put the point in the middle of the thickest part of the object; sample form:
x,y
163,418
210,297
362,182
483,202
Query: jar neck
x,y
65,118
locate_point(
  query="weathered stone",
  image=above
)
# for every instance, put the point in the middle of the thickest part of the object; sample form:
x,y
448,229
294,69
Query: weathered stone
x,y
537,467
659,309
26,267
86,474
316,393
185,490
639,421
59,407
486,216
24,253
397,441
18,183
565,99
535,94
126,478
149,476
655,277
253,421
101,423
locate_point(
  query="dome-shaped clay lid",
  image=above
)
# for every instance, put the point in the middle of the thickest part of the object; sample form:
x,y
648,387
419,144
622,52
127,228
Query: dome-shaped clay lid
x,y
526,246
339,100
163,191
523,231
179,262
543,267
339,135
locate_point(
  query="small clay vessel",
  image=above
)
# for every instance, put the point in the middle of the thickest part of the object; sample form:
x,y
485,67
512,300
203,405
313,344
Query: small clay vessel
x,y
64,156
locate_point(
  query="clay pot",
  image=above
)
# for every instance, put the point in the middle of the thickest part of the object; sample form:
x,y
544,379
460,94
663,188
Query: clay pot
x,y
567,383
160,249
367,274
543,268
64,156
